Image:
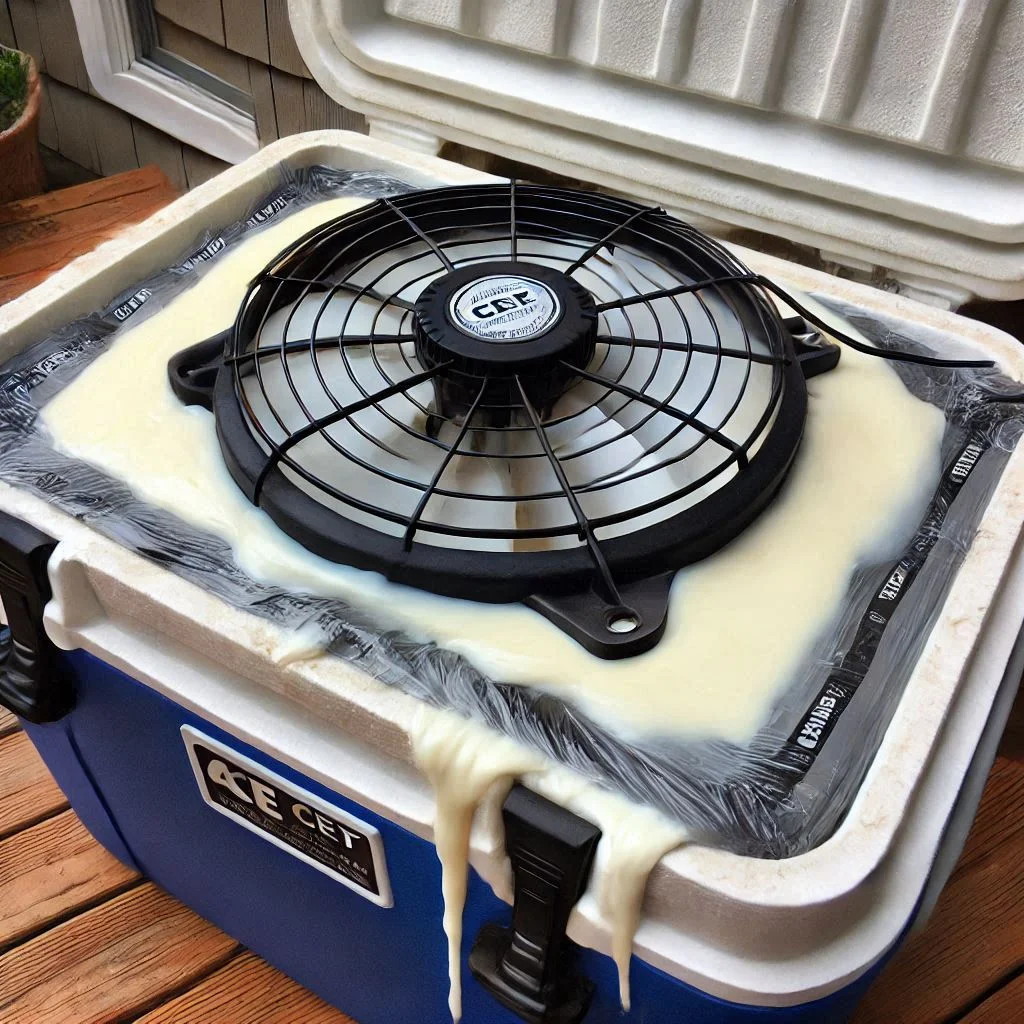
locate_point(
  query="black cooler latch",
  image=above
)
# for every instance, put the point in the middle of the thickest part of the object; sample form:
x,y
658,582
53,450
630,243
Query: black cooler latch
x,y
526,967
32,682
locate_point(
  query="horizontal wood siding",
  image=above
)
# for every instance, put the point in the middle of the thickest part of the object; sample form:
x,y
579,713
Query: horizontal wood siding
x,y
153,147
289,103
58,39
322,112
199,166
284,54
6,25
26,29
203,17
47,119
261,88
245,42
245,28
218,60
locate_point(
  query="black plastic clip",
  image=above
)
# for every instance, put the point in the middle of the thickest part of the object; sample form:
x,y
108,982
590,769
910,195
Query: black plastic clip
x,y
192,372
32,682
526,967
814,354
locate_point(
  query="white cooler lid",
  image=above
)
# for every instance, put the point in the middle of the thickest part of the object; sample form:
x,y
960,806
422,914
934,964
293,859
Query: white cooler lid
x,y
885,135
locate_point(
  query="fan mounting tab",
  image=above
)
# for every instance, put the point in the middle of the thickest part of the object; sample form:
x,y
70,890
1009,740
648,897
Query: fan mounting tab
x,y
612,630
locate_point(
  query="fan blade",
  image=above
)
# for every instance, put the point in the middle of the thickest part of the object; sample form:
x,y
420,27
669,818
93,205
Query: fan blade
x,y
630,476
329,376
526,472
476,479
335,316
575,413
369,455
602,275
402,272
728,393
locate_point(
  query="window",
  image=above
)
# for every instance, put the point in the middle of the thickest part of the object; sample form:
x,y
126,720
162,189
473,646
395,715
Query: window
x,y
132,62
156,41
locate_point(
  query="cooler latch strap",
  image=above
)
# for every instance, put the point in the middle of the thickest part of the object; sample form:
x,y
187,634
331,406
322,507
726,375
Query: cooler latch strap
x,y
527,967
33,683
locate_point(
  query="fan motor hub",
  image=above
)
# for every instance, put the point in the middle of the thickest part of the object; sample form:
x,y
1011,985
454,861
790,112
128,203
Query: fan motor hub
x,y
496,325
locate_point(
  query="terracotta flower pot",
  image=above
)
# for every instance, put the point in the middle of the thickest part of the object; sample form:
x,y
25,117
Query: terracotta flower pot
x,y
21,169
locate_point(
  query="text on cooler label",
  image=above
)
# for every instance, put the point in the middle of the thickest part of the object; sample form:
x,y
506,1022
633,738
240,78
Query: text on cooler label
x,y
265,798
290,817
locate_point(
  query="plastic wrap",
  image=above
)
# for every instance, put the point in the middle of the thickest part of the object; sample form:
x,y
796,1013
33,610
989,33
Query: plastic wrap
x,y
779,795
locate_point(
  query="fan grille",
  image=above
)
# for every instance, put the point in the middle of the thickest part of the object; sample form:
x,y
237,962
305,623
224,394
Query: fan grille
x,y
648,438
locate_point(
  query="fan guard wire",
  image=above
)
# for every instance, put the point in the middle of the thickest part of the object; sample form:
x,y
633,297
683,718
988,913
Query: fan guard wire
x,y
244,354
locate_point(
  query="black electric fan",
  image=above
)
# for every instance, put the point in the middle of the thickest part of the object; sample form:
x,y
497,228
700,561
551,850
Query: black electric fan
x,y
511,393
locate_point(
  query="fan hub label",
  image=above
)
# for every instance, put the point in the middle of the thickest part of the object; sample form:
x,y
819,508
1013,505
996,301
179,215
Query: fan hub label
x,y
504,308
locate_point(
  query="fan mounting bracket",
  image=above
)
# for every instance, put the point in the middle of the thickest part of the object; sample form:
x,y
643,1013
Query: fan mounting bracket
x,y
609,630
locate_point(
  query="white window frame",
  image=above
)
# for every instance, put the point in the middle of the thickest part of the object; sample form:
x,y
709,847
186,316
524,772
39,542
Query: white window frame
x,y
119,76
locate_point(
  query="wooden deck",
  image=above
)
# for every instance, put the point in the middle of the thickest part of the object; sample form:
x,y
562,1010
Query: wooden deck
x,y
84,940
42,234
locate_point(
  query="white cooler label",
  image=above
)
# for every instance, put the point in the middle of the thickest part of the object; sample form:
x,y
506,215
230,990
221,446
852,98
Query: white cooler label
x,y
324,836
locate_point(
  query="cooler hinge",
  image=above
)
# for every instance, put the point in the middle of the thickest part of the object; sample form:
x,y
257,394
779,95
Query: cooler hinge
x,y
33,682
527,967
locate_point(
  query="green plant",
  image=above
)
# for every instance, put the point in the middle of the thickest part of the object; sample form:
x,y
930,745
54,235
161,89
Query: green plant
x,y
13,86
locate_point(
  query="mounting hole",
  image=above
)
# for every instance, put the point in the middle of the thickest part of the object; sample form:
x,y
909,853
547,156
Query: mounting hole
x,y
623,621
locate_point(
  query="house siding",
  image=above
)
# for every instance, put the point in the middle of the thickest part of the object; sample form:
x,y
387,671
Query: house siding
x,y
246,42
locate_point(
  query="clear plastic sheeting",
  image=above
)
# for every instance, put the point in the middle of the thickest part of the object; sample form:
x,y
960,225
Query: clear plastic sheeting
x,y
776,796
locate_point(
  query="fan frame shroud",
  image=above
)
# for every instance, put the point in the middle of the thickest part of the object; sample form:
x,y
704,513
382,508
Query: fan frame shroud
x,y
559,583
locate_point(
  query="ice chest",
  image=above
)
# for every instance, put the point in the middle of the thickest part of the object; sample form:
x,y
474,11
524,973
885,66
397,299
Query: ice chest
x,y
283,805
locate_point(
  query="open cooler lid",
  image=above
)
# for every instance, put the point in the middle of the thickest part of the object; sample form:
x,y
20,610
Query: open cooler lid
x,y
887,136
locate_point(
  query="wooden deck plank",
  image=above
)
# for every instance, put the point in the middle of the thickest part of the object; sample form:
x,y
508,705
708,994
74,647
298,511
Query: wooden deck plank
x,y
246,991
89,193
24,249
8,722
993,825
27,791
1003,1007
1012,743
40,235
51,870
110,963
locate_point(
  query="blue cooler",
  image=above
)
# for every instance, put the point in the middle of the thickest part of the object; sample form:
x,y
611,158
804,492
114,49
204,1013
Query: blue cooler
x,y
292,819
